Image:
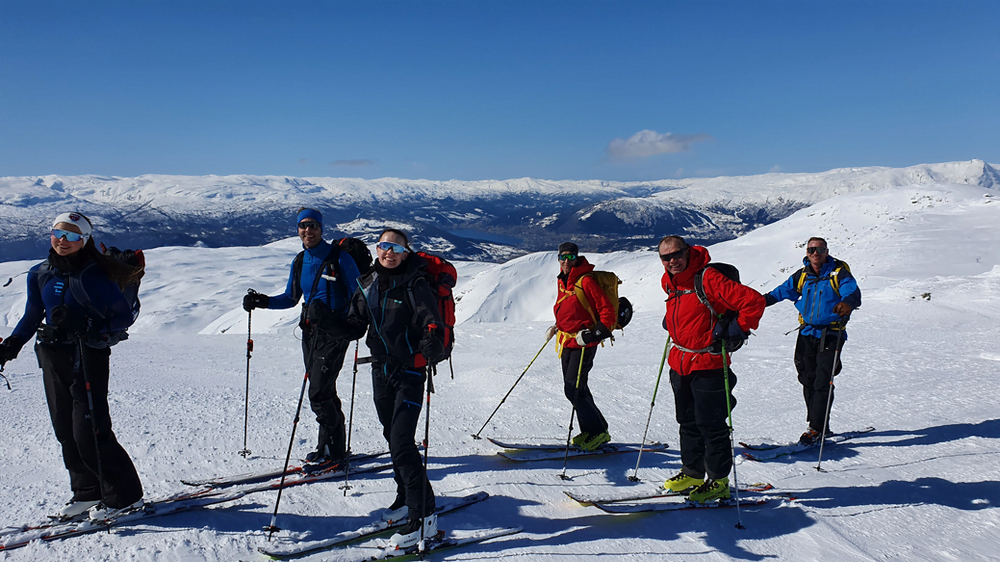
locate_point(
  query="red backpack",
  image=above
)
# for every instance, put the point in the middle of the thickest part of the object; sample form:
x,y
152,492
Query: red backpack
x,y
442,276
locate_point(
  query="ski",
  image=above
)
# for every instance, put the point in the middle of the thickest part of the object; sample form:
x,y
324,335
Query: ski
x,y
769,451
175,503
445,540
554,445
647,493
539,454
288,547
619,508
253,477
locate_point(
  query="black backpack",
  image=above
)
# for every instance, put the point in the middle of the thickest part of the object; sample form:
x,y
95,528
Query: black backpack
x,y
359,252
132,258
733,274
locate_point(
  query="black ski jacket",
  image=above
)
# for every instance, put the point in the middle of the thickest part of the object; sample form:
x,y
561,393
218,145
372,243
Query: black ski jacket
x,y
398,309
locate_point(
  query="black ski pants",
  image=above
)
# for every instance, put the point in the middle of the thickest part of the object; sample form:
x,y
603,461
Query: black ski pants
x,y
66,394
591,419
323,363
700,403
398,395
814,363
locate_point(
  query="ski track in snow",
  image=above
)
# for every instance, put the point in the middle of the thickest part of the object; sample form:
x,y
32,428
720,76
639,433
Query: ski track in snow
x,y
924,485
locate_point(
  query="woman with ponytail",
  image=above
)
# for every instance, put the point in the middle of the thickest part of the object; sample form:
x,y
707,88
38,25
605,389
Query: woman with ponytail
x,y
102,477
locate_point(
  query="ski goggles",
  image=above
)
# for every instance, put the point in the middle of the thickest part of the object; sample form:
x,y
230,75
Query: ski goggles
x,y
567,257
816,250
396,248
69,235
674,255
309,224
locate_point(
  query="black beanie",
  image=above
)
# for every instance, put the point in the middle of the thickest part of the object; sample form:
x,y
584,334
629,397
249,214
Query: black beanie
x,y
568,248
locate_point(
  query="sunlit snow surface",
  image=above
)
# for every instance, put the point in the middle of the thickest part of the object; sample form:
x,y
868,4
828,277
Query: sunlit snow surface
x,y
920,367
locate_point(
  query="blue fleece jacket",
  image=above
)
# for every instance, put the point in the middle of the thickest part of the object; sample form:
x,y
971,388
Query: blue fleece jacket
x,y
815,303
337,294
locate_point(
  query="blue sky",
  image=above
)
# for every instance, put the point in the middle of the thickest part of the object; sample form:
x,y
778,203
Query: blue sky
x,y
494,89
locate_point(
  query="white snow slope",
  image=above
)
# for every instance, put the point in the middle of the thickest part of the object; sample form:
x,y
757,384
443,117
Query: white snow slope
x,y
919,367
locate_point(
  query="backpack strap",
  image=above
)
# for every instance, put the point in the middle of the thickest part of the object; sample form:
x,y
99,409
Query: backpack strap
x,y
699,289
331,258
582,297
833,277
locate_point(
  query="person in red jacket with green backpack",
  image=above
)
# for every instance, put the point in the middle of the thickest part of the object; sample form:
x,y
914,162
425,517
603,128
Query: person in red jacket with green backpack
x,y
697,374
579,333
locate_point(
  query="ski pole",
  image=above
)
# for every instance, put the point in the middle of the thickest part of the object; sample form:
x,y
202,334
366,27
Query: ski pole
x,y
642,444
829,397
4,376
2,365
350,420
431,371
732,444
245,452
80,349
572,414
504,399
291,441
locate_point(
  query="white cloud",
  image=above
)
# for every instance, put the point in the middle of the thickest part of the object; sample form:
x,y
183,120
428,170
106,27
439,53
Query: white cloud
x,y
648,143
775,169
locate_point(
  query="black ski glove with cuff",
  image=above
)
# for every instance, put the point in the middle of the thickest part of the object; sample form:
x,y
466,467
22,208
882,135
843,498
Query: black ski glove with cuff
x,y
587,337
255,300
9,348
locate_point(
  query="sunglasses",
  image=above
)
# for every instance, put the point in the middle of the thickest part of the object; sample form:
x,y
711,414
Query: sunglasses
x,y
567,257
69,235
816,250
674,255
309,224
396,248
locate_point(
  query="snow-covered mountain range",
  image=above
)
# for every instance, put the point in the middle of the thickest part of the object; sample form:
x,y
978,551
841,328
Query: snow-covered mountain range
x,y
472,220
924,485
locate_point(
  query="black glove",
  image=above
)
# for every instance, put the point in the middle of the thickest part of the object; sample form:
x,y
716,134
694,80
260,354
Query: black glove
x,y
69,321
255,300
729,330
587,337
769,300
9,348
432,348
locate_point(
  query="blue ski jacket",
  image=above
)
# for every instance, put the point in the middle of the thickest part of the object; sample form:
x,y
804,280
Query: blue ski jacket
x,y
819,294
336,294
104,294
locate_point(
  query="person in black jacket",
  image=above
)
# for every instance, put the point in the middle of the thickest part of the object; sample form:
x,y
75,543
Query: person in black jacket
x,y
103,479
397,307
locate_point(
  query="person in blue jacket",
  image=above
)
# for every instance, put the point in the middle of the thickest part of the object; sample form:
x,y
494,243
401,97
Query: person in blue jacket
x,y
825,293
325,277
102,477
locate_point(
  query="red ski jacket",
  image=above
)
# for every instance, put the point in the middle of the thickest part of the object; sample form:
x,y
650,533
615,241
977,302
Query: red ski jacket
x,y
571,316
690,322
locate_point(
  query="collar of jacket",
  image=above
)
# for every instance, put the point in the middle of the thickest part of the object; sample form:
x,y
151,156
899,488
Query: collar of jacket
x,y
582,267
825,270
67,264
319,251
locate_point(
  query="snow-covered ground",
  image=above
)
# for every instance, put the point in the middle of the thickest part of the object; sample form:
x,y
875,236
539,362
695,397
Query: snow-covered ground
x,y
919,367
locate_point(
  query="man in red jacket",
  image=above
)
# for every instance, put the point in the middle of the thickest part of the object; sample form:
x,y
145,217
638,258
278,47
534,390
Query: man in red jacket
x,y
696,364
579,332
